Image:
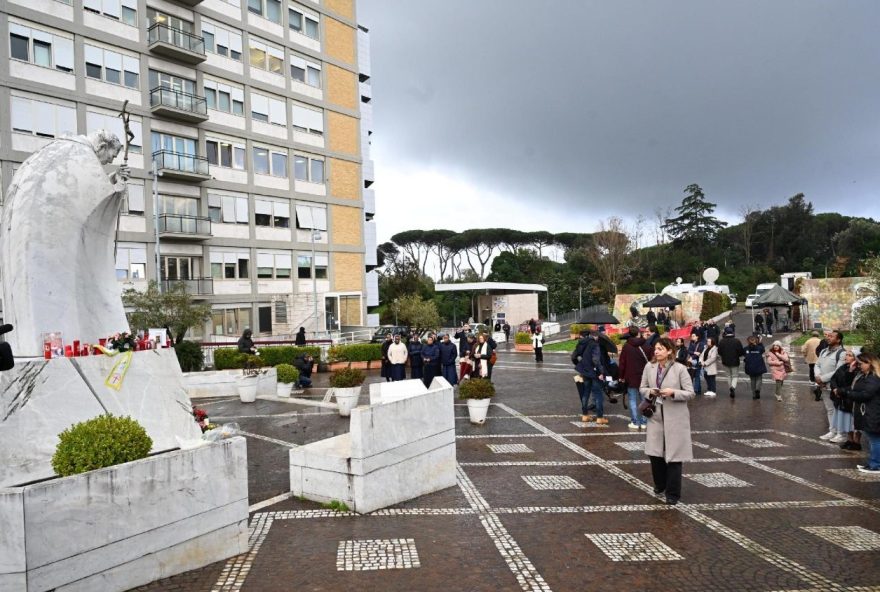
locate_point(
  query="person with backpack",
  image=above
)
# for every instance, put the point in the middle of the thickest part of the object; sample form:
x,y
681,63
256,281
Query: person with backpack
x,y
830,359
588,380
780,366
731,351
754,364
634,356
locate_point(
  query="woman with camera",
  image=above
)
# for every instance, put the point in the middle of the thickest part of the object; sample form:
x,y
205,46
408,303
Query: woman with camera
x,y
667,387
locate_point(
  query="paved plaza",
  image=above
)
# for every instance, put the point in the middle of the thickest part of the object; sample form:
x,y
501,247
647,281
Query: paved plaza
x,y
544,502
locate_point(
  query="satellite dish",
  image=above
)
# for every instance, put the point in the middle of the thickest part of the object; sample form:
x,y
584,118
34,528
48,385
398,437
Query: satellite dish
x,y
678,280
710,275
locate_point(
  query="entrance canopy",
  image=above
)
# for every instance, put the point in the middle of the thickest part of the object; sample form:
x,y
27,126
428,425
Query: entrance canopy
x,y
490,287
777,296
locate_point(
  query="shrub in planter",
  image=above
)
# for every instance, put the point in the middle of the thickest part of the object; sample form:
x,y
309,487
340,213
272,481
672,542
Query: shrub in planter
x,y
227,358
287,374
356,352
522,339
576,328
100,442
190,356
347,378
476,388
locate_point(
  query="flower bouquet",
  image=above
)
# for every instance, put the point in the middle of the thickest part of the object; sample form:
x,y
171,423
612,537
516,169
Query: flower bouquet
x,y
201,417
122,342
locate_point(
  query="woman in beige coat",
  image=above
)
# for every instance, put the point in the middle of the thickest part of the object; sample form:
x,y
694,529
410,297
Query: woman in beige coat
x,y
668,441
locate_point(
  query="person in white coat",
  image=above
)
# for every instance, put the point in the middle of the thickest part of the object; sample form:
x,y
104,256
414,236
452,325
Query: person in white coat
x,y
668,441
709,361
397,355
538,344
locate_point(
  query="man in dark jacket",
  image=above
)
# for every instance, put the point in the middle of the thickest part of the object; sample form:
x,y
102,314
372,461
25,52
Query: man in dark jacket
x,y
246,343
651,317
589,382
462,336
386,363
731,351
633,358
303,363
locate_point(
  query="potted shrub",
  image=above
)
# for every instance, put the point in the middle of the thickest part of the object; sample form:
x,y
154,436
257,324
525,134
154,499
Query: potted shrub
x,y
287,375
249,379
522,341
346,384
100,442
478,393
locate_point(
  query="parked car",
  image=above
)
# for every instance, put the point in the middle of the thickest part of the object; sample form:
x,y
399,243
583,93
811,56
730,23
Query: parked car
x,y
750,300
381,332
732,299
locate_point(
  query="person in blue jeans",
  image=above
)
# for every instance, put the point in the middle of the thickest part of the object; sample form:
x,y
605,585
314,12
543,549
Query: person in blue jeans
x,y
304,363
865,394
589,378
634,356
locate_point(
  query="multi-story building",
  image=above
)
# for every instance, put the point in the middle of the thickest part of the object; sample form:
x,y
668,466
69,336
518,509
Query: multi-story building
x,y
255,115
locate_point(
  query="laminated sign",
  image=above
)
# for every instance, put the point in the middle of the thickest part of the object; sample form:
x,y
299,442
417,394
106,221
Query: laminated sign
x,y
119,370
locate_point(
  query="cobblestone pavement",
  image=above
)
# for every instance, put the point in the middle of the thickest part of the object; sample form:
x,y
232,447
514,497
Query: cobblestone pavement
x,y
545,504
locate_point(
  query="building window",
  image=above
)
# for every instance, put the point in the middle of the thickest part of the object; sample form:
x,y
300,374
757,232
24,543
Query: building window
x,y
131,261
171,82
268,110
303,23
222,41
113,123
225,153
271,265
112,67
133,203
305,72
178,206
231,321
120,10
40,48
179,268
224,97
172,22
270,162
305,266
230,265
175,144
309,120
265,56
268,9
308,168
280,311
271,213
311,217
46,120
228,209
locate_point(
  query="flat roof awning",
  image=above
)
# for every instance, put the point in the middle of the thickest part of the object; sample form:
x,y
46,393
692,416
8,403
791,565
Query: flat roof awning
x,y
503,287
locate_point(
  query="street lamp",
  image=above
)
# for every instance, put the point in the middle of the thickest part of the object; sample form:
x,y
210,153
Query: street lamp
x,y
316,235
654,284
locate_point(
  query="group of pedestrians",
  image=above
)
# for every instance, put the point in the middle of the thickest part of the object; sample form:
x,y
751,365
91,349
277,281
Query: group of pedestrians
x,y
473,356
765,320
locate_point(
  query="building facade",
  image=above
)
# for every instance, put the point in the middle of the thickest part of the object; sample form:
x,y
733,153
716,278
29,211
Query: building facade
x,y
255,116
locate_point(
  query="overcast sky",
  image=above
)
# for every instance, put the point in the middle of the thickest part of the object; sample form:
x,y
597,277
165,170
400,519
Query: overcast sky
x,y
550,115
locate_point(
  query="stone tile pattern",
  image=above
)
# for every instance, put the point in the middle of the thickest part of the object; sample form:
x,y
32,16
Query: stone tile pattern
x,y
548,482
588,424
376,554
637,446
510,448
760,443
633,546
851,538
857,475
718,480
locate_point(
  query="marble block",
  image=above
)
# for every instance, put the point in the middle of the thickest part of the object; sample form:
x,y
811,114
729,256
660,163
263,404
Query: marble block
x,y
395,451
130,524
221,383
384,392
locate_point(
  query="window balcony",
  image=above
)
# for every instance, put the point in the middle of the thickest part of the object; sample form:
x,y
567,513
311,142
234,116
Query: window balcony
x,y
178,105
180,166
177,226
195,287
176,44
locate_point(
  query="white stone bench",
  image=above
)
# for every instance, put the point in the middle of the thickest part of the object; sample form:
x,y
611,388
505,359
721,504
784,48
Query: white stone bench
x,y
399,447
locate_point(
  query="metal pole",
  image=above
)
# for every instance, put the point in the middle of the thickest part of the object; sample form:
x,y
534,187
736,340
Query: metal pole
x,y
156,223
580,296
314,282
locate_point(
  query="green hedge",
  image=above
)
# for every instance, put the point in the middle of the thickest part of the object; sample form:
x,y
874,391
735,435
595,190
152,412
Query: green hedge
x,y
100,442
576,328
356,352
226,358
712,305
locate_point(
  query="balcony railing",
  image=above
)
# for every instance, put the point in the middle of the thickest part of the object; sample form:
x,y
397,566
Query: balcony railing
x,y
161,33
188,165
175,99
196,287
177,224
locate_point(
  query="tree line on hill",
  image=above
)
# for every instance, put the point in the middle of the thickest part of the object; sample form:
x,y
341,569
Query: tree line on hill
x,y
618,257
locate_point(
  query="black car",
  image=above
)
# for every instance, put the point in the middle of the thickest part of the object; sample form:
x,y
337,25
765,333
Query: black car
x,y
381,332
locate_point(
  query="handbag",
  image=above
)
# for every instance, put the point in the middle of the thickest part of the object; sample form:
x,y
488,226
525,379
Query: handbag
x,y
786,364
648,406
493,358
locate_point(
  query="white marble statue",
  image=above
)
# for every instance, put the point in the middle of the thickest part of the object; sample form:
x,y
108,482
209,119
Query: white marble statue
x,y
57,244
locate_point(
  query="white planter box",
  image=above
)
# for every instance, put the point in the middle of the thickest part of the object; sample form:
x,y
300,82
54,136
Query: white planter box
x,y
127,525
219,383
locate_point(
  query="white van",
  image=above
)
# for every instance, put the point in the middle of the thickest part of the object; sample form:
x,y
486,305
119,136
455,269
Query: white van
x,y
763,288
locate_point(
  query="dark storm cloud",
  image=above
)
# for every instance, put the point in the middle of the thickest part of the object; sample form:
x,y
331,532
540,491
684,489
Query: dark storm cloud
x,y
615,106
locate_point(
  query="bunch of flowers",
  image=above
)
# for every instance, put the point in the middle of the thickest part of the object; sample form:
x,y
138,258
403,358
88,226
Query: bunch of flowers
x,y
122,342
201,417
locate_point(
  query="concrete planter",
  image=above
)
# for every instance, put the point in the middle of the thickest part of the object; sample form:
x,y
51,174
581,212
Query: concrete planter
x,y
247,388
523,347
125,526
283,390
478,409
216,383
347,399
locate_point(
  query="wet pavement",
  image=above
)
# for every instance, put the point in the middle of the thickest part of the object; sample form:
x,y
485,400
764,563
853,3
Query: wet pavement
x,y
544,503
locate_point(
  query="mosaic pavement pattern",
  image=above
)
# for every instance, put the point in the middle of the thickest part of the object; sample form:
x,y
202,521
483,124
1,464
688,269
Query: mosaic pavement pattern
x,y
803,522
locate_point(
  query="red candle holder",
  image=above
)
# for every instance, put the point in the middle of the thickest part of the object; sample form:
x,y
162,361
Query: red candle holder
x,y
68,351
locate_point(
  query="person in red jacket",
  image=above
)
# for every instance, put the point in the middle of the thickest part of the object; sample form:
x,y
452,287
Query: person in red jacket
x,y
633,358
